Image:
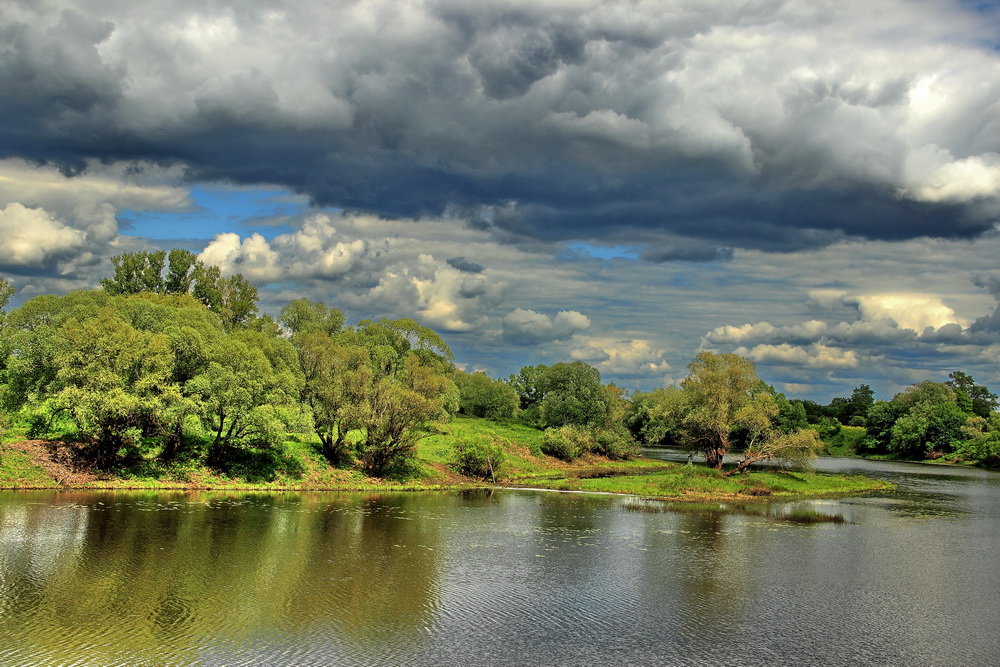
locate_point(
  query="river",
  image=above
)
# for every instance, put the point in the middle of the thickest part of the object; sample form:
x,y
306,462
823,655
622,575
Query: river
x,y
508,577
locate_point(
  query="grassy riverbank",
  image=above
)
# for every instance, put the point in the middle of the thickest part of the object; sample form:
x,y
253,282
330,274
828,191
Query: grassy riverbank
x,y
699,484
34,464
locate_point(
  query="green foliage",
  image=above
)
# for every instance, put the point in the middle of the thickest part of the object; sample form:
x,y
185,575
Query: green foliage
x,y
248,376
136,272
661,416
981,401
850,440
567,442
797,449
233,299
525,383
6,292
112,379
858,405
829,427
982,448
928,427
724,395
482,396
791,415
881,418
336,380
614,444
401,404
303,316
479,458
572,393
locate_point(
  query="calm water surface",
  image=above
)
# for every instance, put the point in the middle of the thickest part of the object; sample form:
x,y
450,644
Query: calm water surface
x,y
512,577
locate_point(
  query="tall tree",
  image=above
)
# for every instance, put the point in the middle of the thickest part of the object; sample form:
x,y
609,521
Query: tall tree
x,y
982,400
305,316
113,380
136,272
572,393
337,378
181,265
724,394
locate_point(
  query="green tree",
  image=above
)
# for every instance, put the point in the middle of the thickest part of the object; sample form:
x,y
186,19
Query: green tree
x,y
724,395
399,408
181,265
482,396
305,316
795,448
928,426
982,400
859,403
525,383
791,415
246,390
6,292
572,393
136,272
665,411
337,380
410,386
881,418
113,380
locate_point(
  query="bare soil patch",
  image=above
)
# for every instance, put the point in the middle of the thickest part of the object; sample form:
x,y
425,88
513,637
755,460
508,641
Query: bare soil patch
x,y
64,462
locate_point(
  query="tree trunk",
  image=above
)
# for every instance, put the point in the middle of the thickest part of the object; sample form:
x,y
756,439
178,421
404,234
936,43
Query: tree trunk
x,y
714,455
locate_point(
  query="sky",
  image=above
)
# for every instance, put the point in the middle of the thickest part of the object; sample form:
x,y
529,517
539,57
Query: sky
x,y
812,184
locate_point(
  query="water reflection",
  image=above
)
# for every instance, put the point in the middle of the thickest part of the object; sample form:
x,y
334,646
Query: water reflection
x,y
149,578
507,577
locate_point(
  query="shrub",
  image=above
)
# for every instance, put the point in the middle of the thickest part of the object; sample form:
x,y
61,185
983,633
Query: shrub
x,y
481,396
567,442
984,450
479,458
615,445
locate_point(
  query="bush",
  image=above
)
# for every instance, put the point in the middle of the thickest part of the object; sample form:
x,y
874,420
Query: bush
x,y
567,442
479,458
481,396
984,450
829,427
615,445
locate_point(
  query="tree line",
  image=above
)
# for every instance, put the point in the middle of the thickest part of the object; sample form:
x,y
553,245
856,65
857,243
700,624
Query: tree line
x,y
170,360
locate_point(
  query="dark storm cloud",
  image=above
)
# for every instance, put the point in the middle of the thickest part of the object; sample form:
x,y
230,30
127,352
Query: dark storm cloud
x,y
988,323
718,127
464,265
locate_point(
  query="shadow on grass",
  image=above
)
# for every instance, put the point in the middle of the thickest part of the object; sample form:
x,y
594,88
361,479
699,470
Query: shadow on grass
x,y
255,465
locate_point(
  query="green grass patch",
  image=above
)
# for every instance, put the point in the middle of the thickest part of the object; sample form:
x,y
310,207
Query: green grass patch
x,y
846,442
697,483
18,472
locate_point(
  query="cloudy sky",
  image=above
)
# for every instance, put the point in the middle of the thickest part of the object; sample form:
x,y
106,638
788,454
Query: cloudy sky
x,y
813,184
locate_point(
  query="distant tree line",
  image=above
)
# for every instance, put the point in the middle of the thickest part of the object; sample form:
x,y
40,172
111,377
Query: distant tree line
x,y
956,419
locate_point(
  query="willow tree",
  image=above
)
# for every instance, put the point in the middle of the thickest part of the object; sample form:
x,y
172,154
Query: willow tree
x,y
723,395
337,378
724,398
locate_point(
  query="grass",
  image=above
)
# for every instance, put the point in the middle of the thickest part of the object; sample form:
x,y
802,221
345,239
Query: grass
x,y
18,471
694,483
845,442
299,465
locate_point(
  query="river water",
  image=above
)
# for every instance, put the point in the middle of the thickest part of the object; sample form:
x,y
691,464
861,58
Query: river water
x,y
510,577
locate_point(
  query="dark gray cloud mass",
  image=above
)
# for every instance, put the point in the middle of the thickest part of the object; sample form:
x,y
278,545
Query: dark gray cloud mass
x,y
772,125
464,265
